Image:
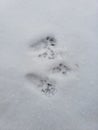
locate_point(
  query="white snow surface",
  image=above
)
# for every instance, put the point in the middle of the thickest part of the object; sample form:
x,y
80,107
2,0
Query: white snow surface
x,y
74,104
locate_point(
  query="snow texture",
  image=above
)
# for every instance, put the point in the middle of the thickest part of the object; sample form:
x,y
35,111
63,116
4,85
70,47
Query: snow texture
x,y
48,65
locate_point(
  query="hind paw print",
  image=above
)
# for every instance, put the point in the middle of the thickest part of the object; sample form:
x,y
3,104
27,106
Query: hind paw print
x,y
45,48
45,85
47,42
48,88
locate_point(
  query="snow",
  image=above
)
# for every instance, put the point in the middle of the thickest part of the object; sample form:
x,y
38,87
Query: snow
x,y
28,61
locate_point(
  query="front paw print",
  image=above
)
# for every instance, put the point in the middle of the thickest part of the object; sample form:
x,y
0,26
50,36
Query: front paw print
x,y
49,54
61,68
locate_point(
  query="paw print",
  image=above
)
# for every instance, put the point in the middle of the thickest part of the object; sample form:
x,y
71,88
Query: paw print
x,y
49,54
61,68
46,42
45,85
51,41
44,48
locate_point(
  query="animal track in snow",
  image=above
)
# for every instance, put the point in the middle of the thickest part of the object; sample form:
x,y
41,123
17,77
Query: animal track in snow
x,y
46,42
45,85
61,68
48,54
45,48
